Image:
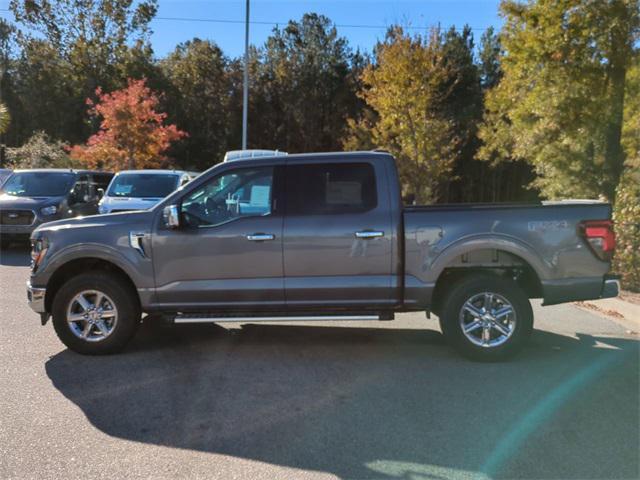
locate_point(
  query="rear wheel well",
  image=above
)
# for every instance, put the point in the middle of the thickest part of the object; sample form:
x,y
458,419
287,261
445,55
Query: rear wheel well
x,y
83,265
491,262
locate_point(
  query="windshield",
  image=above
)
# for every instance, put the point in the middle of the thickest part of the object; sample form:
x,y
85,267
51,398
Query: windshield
x,y
39,184
139,185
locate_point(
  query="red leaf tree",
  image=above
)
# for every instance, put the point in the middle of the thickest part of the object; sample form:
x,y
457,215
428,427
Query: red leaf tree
x,y
132,132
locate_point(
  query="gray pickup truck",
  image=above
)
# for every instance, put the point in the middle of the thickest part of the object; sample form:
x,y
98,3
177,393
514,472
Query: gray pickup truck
x,y
318,237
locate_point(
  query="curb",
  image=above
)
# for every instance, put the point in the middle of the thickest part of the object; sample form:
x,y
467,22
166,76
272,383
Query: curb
x,y
624,313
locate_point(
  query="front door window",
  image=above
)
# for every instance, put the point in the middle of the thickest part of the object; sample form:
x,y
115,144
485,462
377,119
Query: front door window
x,y
239,193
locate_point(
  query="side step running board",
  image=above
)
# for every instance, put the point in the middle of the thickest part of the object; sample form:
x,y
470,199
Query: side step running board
x,y
182,318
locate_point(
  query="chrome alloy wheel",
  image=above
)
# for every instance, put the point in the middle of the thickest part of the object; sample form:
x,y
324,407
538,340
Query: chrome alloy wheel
x,y
487,319
92,315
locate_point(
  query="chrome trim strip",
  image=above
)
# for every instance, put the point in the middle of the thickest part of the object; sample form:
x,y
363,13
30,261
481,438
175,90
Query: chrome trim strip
x,y
135,241
367,234
260,237
180,319
35,297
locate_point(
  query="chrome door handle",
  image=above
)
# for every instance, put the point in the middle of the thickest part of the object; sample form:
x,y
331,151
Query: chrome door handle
x,y
260,237
365,234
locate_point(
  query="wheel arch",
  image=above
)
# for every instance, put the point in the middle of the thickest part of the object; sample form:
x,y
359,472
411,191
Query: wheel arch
x,y
501,259
76,266
483,242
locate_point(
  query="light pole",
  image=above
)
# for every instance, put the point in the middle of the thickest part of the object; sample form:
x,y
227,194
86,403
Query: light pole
x,y
245,87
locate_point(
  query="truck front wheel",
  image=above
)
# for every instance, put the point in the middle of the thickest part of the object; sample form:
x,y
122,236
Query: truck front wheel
x,y
486,317
95,314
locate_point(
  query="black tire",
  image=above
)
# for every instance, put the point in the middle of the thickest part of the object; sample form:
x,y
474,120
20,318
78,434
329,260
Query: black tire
x,y
124,299
474,286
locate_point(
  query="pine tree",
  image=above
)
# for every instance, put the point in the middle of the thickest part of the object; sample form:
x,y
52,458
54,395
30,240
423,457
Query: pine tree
x,y
559,104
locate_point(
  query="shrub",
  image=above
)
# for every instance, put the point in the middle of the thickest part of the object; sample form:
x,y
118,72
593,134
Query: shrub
x,y
627,217
40,152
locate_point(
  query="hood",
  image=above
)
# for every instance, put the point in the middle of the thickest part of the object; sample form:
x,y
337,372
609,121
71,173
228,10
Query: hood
x,y
132,203
140,218
28,203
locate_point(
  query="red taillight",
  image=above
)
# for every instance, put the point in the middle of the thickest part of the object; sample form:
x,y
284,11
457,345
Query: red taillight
x,y
601,237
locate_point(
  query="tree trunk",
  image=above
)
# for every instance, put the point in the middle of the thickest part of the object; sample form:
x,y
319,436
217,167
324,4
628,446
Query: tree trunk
x,y
614,154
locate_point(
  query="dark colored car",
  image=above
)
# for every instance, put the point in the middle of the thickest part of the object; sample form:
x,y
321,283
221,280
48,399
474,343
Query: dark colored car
x,y
29,198
318,237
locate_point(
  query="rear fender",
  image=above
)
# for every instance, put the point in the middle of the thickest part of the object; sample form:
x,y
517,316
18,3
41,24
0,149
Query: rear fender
x,y
490,242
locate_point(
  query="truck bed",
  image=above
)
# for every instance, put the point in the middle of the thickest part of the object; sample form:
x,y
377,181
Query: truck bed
x,y
541,236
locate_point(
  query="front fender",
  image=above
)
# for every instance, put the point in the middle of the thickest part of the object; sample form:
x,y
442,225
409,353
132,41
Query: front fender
x,y
127,259
138,268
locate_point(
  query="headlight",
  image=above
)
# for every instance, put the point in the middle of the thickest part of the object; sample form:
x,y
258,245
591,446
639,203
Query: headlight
x,y
39,249
49,210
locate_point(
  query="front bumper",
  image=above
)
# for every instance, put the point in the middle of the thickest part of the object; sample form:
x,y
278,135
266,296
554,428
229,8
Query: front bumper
x,y
35,297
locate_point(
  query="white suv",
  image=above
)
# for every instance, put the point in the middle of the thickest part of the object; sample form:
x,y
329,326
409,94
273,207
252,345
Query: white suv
x,y
141,189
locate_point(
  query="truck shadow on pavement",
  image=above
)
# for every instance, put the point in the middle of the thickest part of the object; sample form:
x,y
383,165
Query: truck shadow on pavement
x,y
368,402
15,256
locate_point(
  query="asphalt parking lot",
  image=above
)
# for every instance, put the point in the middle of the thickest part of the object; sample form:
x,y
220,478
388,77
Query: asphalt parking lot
x,y
385,400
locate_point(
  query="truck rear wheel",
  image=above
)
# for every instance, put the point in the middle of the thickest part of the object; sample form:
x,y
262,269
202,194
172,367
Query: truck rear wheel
x,y
95,314
486,318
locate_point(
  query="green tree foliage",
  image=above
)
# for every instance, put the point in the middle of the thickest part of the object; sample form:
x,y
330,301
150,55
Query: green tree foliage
x,y
627,209
425,94
303,87
627,218
424,101
76,46
8,48
489,65
47,99
40,152
96,38
197,100
464,106
631,124
503,178
559,104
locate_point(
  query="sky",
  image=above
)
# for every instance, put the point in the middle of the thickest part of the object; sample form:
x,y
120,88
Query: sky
x,y
362,22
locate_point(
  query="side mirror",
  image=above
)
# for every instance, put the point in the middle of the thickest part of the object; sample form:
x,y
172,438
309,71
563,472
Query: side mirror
x,y
100,193
171,217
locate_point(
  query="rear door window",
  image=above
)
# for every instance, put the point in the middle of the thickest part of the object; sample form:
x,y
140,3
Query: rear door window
x,y
333,188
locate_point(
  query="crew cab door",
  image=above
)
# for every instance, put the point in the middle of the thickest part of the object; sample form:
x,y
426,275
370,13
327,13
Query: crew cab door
x,y
228,249
337,235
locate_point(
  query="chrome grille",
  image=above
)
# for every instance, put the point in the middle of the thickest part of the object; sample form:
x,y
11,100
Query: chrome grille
x,y
17,217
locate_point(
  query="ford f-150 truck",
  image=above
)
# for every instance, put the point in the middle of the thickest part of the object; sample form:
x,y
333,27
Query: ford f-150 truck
x,y
318,237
